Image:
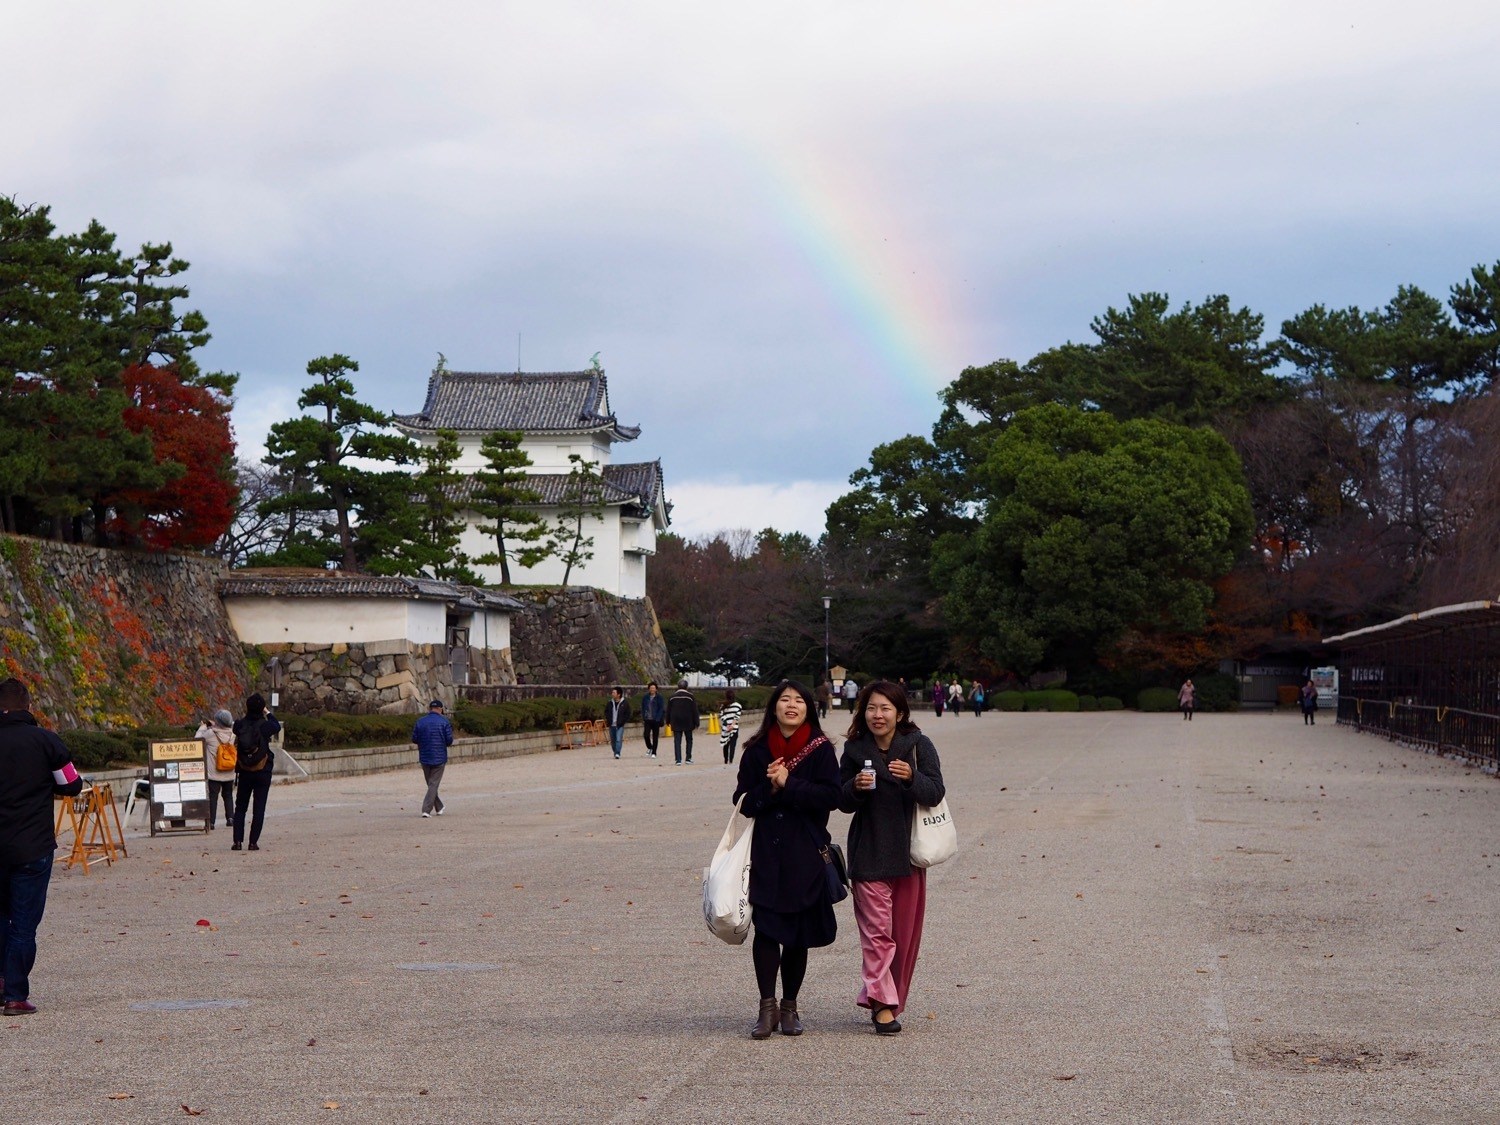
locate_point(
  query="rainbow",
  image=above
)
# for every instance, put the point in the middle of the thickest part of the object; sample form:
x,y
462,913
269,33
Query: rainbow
x,y
891,291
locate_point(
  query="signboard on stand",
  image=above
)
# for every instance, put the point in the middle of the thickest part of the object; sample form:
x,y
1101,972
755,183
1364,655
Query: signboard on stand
x,y
179,787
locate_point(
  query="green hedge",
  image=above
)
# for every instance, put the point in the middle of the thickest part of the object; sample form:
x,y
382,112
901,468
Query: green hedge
x,y
1217,692
1111,703
1052,699
1087,703
97,750
1157,699
1010,701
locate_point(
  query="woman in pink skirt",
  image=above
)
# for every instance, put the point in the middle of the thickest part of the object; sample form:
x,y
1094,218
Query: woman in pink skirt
x,y
888,767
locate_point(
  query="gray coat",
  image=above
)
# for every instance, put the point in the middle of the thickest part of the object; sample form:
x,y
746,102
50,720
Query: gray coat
x,y
880,833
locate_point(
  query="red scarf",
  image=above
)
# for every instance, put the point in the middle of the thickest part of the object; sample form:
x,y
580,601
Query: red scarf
x,y
782,747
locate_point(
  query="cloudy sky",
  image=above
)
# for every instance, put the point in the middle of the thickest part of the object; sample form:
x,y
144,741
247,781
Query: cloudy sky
x,y
783,226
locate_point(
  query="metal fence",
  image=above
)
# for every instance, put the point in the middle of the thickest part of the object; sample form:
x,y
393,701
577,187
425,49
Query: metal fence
x,y
1447,730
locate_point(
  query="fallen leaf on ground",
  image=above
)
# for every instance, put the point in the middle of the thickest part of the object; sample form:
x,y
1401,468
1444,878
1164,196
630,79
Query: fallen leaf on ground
x,y
1063,1077
120,1097
190,1111
330,1105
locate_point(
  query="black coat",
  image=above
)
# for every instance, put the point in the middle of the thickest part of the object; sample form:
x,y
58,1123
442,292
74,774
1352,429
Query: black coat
x,y
880,833
620,711
31,758
786,870
682,710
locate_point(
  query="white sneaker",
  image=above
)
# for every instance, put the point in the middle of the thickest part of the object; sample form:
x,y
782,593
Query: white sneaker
x,y
426,815
441,811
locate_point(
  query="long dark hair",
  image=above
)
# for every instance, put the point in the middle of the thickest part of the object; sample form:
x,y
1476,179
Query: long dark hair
x,y
896,694
768,720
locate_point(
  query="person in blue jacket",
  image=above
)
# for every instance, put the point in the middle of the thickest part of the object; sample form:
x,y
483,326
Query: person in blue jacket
x,y
653,715
433,734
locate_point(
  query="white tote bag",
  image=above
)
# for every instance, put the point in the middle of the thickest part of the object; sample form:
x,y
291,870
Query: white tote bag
x,y
726,881
934,837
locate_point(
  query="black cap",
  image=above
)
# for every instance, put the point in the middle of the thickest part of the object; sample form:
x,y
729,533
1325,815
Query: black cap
x,y
435,705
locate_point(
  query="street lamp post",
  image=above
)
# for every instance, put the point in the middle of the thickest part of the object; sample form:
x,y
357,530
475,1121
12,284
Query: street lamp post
x,y
827,679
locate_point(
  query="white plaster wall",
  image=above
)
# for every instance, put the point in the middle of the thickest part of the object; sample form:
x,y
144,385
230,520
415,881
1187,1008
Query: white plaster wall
x,y
548,455
632,576
490,629
261,621
603,571
426,623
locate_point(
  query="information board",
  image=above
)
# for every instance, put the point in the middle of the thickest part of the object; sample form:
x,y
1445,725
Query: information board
x,y
179,787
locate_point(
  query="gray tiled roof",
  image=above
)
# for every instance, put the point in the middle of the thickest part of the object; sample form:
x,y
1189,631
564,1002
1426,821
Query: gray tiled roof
x,y
332,584
642,478
552,488
536,402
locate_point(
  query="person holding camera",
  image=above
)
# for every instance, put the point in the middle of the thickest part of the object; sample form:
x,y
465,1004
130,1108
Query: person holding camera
x,y
254,763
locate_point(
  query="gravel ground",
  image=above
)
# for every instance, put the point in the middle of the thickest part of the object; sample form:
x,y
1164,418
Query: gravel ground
x,y
1236,919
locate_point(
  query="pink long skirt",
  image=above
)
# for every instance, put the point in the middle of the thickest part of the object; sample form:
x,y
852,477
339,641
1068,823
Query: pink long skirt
x,y
889,913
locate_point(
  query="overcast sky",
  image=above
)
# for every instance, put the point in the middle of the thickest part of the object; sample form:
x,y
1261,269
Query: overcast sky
x,y
784,227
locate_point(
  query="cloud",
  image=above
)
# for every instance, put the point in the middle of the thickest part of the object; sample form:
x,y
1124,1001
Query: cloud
x,y
704,507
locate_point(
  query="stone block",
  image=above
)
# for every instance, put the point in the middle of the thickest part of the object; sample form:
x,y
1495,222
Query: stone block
x,y
339,648
386,648
392,679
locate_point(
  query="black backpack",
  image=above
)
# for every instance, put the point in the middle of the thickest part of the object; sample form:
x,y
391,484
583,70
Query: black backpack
x,y
251,747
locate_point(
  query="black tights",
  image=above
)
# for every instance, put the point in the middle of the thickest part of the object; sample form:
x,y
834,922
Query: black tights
x,y
792,961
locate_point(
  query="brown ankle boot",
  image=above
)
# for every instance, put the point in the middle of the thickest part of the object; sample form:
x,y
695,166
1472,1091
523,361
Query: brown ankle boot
x,y
790,1024
767,1022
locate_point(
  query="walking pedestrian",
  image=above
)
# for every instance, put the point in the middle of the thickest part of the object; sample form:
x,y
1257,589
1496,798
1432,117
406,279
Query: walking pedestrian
x,y
1187,699
790,783
955,696
682,716
976,698
1308,697
218,744
938,694
824,696
888,767
35,766
729,725
653,714
616,715
253,763
851,692
433,734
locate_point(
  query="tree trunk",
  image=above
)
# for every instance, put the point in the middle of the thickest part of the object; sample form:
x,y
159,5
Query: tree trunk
x,y
504,562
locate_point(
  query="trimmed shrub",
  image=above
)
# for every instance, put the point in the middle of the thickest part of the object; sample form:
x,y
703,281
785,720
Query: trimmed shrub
x,y
1087,703
1010,701
1111,703
1217,692
1051,699
1157,699
95,749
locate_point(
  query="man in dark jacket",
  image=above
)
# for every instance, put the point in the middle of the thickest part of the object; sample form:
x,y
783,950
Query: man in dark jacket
x,y
35,766
653,714
682,717
616,715
433,734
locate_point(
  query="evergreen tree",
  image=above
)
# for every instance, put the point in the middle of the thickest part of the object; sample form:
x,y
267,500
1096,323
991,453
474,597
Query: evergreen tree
x,y
501,496
317,454
583,497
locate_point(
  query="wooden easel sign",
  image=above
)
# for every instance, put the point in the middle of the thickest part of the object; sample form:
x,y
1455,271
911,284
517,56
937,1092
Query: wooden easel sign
x,y
179,787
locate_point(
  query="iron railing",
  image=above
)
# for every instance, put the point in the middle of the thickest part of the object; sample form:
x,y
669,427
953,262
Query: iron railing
x,y
1445,730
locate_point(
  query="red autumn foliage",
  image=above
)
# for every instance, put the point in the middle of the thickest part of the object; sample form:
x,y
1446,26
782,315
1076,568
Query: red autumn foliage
x,y
189,426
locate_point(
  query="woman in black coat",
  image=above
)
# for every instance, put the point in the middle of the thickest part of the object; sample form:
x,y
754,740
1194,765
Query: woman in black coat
x,y
890,895
789,777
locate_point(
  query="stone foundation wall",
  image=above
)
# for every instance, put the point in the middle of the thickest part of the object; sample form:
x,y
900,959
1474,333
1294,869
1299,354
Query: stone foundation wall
x,y
587,637
110,638
378,677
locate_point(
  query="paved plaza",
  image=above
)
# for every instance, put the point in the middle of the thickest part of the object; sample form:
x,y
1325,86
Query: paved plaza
x,y
1240,919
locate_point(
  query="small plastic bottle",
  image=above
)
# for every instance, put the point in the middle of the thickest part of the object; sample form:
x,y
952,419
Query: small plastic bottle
x,y
870,769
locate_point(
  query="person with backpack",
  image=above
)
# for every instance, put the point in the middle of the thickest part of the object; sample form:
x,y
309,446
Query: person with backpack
x,y
218,744
254,761
976,698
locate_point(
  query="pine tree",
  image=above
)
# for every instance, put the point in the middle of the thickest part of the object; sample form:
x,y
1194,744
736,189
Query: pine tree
x,y
583,497
501,496
317,453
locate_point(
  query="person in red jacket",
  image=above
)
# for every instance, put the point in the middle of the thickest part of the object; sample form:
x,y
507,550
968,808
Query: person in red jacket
x,y
35,766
